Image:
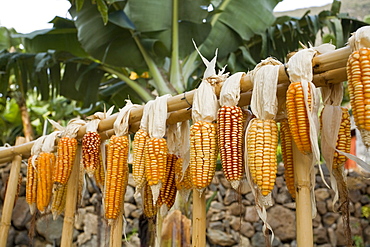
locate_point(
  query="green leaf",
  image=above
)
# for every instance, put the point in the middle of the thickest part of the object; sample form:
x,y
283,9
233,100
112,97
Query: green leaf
x,y
103,9
12,113
121,19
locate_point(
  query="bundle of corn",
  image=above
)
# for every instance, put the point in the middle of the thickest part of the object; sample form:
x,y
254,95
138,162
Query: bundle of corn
x,y
302,103
262,137
140,139
167,194
156,146
230,130
31,180
358,84
117,170
203,132
66,152
287,153
45,169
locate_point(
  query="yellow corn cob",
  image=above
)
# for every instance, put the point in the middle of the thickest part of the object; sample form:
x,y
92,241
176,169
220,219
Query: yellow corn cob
x,y
203,153
262,141
344,139
138,164
167,194
91,151
297,117
58,203
149,209
230,142
65,159
99,173
287,151
183,181
116,176
31,185
155,160
45,165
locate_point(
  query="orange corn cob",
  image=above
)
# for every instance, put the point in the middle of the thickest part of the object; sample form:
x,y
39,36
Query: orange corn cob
x,y
31,185
167,194
45,165
138,164
287,151
155,160
65,159
91,152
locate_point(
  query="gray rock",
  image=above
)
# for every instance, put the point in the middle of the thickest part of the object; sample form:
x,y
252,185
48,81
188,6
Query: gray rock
x,y
279,182
283,197
247,229
91,223
332,236
235,222
244,187
128,209
316,222
258,239
129,196
285,229
217,225
231,196
365,199
322,194
11,237
251,214
244,241
133,241
354,195
321,207
131,180
225,183
320,235
48,228
330,218
218,216
21,214
221,238
217,206
236,209
367,234
355,229
22,238
83,238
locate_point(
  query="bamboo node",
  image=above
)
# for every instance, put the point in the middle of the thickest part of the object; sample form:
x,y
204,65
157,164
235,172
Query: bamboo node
x,y
186,100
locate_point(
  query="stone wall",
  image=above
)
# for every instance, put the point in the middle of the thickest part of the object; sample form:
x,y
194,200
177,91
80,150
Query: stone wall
x,y
231,218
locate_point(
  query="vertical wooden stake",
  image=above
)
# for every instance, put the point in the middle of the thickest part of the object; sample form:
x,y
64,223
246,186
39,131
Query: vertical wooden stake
x,y
71,202
115,239
302,176
10,195
199,219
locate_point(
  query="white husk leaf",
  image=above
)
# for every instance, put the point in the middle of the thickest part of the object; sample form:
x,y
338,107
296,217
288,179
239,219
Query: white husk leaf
x,y
299,66
173,138
205,103
56,125
121,125
264,103
157,117
37,146
156,188
230,91
73,127
49,142
360,38
102,115
144,119
92,125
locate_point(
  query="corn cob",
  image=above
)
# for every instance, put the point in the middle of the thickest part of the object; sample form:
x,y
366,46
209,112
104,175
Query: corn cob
x,y
155,160
358,72
203,153
45,165
344,139
59,200
91,151
31,185
287,151
297,116
116,176
230,142
149,209
262,141
66,155
167,194
182,180
99,173
138,164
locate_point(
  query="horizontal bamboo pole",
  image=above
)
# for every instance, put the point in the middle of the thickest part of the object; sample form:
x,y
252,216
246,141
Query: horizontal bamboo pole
x,y
179,103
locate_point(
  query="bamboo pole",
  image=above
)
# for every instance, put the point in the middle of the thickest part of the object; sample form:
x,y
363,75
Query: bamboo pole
x,y
302,170
199,219
10,195
336,74
71,202
115,239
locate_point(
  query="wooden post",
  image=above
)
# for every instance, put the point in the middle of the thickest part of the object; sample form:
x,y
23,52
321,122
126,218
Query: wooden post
x,y
71,202
199,219
302,176
115,239
10,195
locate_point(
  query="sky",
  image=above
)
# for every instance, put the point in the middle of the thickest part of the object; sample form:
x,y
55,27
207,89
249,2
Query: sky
x,y
26,16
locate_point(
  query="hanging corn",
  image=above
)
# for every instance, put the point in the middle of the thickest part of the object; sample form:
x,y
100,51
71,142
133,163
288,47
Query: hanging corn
x,y
156,146
230,130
